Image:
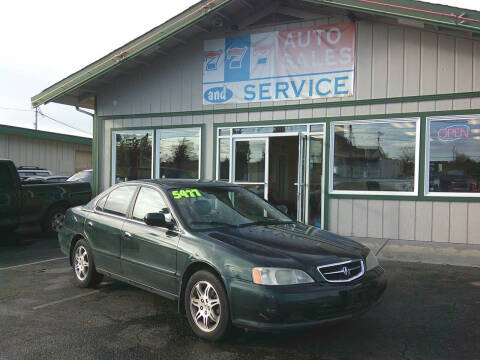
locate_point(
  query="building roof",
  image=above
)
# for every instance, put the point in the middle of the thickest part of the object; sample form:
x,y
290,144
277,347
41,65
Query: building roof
x,y
45,135
80,88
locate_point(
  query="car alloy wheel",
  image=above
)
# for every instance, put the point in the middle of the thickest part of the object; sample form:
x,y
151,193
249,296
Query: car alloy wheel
x,y
81,263
205,306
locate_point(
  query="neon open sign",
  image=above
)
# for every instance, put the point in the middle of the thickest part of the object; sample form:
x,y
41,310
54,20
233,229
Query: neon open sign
x,y
453,132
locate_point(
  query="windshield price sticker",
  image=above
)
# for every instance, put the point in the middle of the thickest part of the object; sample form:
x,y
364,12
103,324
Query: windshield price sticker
x,y
186,193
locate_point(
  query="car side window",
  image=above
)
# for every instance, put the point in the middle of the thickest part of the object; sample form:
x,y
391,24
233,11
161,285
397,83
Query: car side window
x,y
149,201
119,200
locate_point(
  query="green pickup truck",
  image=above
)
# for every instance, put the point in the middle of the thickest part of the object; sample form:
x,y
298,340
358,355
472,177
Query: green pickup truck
x,y
44,204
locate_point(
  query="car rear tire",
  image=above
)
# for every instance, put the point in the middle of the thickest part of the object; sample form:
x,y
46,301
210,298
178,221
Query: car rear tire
x,y
53,221
206,306
83,266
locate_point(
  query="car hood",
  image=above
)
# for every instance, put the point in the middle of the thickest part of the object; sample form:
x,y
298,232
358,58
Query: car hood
x,y
290,245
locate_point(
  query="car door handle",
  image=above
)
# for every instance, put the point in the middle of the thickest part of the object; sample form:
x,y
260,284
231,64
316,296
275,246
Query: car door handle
x,y
127,234
90,224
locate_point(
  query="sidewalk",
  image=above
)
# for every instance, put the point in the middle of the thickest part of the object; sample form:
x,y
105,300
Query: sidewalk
x,y
424,252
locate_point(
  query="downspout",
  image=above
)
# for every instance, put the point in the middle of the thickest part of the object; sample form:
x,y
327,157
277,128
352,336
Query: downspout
x,y
95,142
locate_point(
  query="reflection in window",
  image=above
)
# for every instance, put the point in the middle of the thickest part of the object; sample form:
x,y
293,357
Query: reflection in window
x,y
179,153
454,155
316,174
224,160
149,201
119,200
250,161
133,156
374,156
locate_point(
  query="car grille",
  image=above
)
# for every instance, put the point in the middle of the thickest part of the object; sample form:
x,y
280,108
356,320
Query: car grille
x,y
343,271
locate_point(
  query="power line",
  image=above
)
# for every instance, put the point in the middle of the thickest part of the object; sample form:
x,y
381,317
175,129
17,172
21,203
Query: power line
x,y
63,123
47,116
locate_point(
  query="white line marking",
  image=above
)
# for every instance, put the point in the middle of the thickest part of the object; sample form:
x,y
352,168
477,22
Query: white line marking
x,y
65,299
33,263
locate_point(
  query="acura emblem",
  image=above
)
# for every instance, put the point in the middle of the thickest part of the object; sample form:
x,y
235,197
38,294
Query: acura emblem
x,y
346,271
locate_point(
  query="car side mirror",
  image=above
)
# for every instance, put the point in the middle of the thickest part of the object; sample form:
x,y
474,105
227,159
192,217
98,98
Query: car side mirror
x,y
283,208
157,220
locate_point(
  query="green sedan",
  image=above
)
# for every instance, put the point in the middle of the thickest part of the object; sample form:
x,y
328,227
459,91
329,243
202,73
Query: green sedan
x,y
224,254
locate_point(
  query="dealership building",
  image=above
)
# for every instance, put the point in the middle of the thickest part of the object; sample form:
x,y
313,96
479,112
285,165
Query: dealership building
x,y
361,117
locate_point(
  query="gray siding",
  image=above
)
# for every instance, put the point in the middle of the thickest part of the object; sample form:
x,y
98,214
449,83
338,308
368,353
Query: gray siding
x,y
56,156
455,222
391,61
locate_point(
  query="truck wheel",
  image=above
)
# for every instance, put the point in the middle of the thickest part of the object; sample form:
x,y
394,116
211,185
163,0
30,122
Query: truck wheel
x,y
83,267
53,221
206,306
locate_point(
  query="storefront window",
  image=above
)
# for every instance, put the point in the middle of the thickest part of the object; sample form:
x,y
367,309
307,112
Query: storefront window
x,y
133,156
179,153
374,156
224,159
454,155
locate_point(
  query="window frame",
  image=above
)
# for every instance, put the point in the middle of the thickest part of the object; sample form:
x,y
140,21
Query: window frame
x,y
426,185
417,121
113,163
156,146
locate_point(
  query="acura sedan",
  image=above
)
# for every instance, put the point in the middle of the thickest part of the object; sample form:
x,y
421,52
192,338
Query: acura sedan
x,y
224,254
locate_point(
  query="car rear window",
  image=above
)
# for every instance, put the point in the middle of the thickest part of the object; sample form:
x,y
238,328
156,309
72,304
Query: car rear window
x,y
119,200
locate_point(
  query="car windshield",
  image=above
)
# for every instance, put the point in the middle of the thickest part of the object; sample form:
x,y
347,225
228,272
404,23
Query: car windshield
x,y
213,207
81,176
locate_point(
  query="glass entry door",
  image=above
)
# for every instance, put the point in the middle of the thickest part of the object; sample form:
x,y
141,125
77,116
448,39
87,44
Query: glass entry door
x,y
250,164
310,180
284,167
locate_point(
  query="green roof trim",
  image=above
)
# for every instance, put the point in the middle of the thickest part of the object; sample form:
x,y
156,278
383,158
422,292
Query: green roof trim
x,y
435,14
44,135
129,50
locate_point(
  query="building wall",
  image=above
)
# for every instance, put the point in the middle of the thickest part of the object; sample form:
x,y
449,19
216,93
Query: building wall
x,y
438,221
56,156
391,61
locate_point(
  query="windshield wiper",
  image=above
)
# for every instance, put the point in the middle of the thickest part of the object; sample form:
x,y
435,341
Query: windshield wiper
x,y
268,222
219,223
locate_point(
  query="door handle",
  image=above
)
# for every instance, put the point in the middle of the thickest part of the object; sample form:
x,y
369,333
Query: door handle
x,y
90,224
127,234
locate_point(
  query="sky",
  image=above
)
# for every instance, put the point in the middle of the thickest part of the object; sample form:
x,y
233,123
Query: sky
x,y
45,41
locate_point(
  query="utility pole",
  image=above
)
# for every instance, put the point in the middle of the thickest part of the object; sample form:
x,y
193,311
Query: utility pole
x,y
35,123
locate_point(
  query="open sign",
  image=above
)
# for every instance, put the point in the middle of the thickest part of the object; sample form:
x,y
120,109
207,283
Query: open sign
x,y
453,132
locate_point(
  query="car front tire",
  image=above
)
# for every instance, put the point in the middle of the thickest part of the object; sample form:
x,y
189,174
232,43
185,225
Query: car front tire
x,y
206,306
83,266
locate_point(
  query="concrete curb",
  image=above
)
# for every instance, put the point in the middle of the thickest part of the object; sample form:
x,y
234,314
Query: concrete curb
x,y
425,252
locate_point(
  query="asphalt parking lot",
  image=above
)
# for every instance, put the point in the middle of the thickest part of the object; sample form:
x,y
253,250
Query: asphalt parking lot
x,y
428,312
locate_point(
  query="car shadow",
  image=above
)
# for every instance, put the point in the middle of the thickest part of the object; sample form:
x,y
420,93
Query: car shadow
x,y
24,235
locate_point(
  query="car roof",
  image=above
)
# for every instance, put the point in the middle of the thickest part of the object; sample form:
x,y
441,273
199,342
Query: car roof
x,y
176,183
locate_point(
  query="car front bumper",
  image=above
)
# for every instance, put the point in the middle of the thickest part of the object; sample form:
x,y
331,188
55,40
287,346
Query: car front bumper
x,y
296,306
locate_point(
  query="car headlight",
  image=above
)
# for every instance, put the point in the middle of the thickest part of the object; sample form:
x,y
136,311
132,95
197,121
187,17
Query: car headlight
x,y
279,276
371,261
